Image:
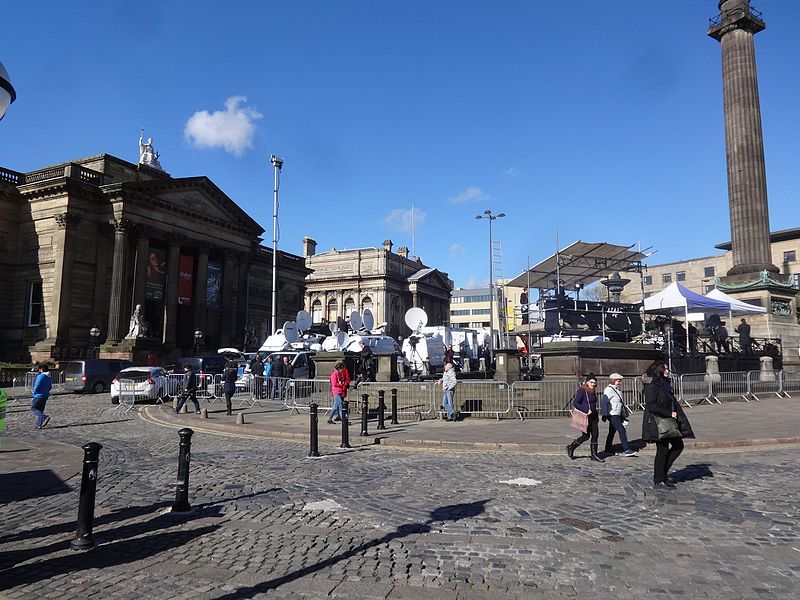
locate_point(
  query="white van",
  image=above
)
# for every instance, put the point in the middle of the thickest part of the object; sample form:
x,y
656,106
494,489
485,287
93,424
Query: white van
x,y
424,353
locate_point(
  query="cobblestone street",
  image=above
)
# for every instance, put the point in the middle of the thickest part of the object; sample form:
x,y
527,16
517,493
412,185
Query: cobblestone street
x,y
384,522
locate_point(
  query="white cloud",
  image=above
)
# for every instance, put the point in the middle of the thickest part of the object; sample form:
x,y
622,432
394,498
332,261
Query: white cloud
x,y
474,283
471,194
456,249
231,129
399,219
511,172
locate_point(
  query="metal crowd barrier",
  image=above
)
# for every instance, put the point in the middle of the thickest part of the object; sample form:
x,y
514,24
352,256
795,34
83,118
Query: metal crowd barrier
x,y
478,397
542,399
301,393
413,398
694,387
127,396
56,376
763,382
731,385
790,383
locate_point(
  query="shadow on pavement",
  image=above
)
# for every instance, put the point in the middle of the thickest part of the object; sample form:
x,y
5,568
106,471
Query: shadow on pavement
x,y
23,485
692,472
453,512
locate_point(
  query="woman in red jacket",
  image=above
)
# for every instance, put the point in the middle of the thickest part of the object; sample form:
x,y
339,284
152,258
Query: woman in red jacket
x,y
340,381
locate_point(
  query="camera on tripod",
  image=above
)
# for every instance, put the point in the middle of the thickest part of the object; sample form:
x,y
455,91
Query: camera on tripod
x,y
413,340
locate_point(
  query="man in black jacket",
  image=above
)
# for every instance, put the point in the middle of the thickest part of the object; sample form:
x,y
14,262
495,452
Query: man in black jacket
x,y
189,390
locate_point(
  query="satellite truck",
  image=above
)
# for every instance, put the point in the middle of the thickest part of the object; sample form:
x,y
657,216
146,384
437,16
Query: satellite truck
x,y
464,341
423,351
361,331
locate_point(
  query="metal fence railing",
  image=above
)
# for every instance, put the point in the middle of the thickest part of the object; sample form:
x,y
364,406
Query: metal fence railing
x,y
694,387
790,383
477,398
413,398
760,383
542,399
729,386
127,396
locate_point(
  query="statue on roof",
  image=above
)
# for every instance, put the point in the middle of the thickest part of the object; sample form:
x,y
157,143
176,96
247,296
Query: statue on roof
x,y
147,155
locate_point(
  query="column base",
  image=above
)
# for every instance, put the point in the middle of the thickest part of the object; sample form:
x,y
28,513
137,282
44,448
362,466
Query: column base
x,y
140,351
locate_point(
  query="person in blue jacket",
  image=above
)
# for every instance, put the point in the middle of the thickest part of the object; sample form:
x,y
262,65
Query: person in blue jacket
x,y
41,392
585,400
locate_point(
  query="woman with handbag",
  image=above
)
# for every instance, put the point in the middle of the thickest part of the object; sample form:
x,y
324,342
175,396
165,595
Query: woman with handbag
x,y
614,410
663,423
585,401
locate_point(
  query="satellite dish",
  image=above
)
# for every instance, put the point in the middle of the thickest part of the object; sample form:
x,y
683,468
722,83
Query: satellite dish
x,y
368,319
341,340
303,320
416,319
355,321
290,331
334,327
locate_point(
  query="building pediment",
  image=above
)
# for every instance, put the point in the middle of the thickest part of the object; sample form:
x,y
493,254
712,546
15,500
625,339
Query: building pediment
x,y
430,277
193,196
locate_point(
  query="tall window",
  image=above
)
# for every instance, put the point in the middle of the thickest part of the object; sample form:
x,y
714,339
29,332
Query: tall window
x,y
666,278
709,272
366,303
316,312
333,311
648,280
349,306
34,304
680,276
789,256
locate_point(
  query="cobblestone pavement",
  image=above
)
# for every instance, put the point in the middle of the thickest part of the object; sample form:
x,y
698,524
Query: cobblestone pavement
x,y
378,522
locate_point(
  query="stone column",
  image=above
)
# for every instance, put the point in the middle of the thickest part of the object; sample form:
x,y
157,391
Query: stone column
x,y
61,310
117,320
228,275
747,182
102,257
201,287
242,299
171,299
143,233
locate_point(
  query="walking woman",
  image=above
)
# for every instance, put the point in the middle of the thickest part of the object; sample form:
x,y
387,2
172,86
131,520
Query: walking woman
x,y
613,408
585,400
663,423
229,384
340,381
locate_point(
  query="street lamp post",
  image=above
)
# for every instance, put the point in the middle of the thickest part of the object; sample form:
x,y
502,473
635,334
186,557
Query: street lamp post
x,y
487,214
7,93
95,333
277,164
198,336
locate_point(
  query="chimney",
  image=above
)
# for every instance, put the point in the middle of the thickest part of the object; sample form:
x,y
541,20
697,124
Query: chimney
x,y
387,245
403,251
309,247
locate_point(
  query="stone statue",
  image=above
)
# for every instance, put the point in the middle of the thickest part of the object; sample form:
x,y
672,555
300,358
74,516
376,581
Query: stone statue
x,y
147,155
139,328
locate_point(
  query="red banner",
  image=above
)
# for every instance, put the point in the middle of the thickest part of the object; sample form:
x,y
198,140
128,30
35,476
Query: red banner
x,y
185,280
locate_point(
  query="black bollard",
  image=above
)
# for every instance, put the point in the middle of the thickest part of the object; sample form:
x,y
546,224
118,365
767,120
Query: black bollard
x,y
345,422
314,433
83,532
364,414
394,420
184,456
381,409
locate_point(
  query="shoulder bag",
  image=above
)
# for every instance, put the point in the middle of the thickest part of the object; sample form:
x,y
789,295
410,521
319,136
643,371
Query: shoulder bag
x,y
667,428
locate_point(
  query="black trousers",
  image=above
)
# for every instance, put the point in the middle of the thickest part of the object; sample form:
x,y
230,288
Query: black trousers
x,y
667,451
593,430
228,396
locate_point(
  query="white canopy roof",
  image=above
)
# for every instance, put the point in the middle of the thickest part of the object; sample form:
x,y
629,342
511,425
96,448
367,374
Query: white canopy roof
x,y
677,300
737,307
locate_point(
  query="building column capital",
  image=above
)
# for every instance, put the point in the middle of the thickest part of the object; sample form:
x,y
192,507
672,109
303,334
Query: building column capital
x,y
121,226
65,218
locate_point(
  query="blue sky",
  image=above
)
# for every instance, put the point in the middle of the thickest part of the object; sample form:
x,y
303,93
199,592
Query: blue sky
x,y
586,120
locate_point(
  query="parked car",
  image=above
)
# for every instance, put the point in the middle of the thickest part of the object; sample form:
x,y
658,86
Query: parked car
x,y
149,383
92,374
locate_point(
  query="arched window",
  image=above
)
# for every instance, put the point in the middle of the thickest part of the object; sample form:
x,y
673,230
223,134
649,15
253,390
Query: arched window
x,y
316,312
366,302
333,311
349,306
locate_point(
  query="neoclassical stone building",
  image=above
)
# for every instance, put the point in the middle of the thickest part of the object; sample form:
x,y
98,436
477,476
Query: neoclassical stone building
x,y
387,282
83,243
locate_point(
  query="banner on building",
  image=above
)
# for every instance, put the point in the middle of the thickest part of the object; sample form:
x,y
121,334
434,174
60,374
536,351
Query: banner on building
x,y
156,275
214,289
185,280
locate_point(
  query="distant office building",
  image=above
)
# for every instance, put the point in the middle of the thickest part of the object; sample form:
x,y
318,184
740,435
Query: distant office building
x,y
83,243
699,274
387,282
469,307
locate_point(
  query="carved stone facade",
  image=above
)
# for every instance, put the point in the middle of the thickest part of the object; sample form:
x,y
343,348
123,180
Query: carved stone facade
x,y
387,282
83,243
